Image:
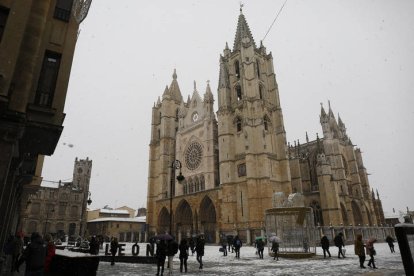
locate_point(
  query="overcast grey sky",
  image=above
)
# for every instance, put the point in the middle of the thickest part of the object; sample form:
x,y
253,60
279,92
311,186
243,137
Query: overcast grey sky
x,y
357,54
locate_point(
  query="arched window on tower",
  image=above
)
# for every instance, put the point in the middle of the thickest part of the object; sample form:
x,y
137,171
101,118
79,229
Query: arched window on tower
x,y
258,68
197,184
266,123
190,185
260,92
176,115
202,183
238,93
238,124
237,69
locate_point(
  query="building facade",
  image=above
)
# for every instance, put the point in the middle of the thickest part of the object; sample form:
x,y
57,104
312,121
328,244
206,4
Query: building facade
x,y
37,43
235,159
120,223
59,208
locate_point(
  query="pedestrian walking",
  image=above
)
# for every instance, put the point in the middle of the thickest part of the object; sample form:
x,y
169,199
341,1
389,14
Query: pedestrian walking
x,y
114,249
371,252
34,255
161,254
17,249
223,242
237,244
325,246
200,250
172,249
192,246
275,250
230,241
390,242
359,250
183,255
94,246
339,242
260,247
50,252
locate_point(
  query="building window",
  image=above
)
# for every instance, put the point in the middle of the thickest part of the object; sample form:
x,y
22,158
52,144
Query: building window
x,y
74,211
241,169
35,208
266,123
258,68
62,209
260,92
47,80
63,9
238,92
239,124
4,14
237,69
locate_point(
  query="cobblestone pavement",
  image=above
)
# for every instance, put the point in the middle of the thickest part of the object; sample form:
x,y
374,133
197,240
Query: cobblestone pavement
x,y
250,264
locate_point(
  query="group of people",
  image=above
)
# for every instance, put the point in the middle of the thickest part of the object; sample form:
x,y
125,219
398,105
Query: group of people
x,y
361,249
169,247
233,243
37,255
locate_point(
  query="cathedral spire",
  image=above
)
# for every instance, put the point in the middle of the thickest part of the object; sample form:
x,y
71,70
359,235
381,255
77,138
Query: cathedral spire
x,y
175,89
208,96
323,113
223,75
243,33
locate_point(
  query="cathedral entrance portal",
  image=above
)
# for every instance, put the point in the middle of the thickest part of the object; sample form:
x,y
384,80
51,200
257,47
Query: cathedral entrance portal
x,y
163,221
208,219
184,220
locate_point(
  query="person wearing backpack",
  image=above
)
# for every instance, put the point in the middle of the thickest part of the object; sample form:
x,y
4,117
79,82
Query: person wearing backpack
x,y
237,245
200,250
172,249
339,242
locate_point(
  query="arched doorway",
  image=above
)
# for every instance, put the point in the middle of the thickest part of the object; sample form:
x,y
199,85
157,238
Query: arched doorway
x,y
357,214
184,219
208,219
163,221
344,214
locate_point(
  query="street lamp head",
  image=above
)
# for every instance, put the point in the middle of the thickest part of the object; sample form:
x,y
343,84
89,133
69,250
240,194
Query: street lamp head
x,y
89,201
180,178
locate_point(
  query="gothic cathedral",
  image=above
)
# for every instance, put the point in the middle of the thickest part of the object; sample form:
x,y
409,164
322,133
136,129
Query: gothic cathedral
x,y
234,160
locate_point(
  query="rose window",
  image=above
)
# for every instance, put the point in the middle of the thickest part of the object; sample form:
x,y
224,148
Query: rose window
x,y
193,155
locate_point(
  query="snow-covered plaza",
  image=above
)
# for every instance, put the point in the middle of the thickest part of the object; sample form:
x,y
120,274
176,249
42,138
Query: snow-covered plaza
x,y
249,264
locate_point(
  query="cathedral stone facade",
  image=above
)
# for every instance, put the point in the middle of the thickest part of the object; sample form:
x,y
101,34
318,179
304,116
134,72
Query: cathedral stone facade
x,y
235,159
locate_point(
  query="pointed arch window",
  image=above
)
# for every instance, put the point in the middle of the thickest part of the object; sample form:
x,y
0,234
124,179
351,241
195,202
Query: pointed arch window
x,y
202,183
237,69
238,93
238,124
258,68
197,184
176,114
260,92
266,122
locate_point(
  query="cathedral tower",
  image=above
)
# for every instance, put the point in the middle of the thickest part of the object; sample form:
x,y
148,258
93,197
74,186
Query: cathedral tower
x,y
251,133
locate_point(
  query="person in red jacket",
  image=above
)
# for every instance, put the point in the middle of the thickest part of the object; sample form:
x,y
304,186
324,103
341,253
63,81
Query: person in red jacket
x,y
50,251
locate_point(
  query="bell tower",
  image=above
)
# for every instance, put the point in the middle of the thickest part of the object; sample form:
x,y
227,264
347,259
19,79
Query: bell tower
x,y
251,134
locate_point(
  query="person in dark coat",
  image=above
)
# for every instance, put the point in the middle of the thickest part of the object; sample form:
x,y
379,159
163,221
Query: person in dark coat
x,y
230,241
223,242
275,250
237,244
192,245
114,249
371,252
161,254
359,250
183,255
200,250
94,246
17,247
260,247
34,255
172,249
339,242
390,242
325,246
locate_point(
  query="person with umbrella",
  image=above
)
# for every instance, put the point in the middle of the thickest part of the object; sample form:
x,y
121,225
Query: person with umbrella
x,y
161,254
275,246
371,252
260,246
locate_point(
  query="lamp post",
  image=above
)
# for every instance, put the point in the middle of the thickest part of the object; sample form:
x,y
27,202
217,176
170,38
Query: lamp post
x,y
47,217
176,165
